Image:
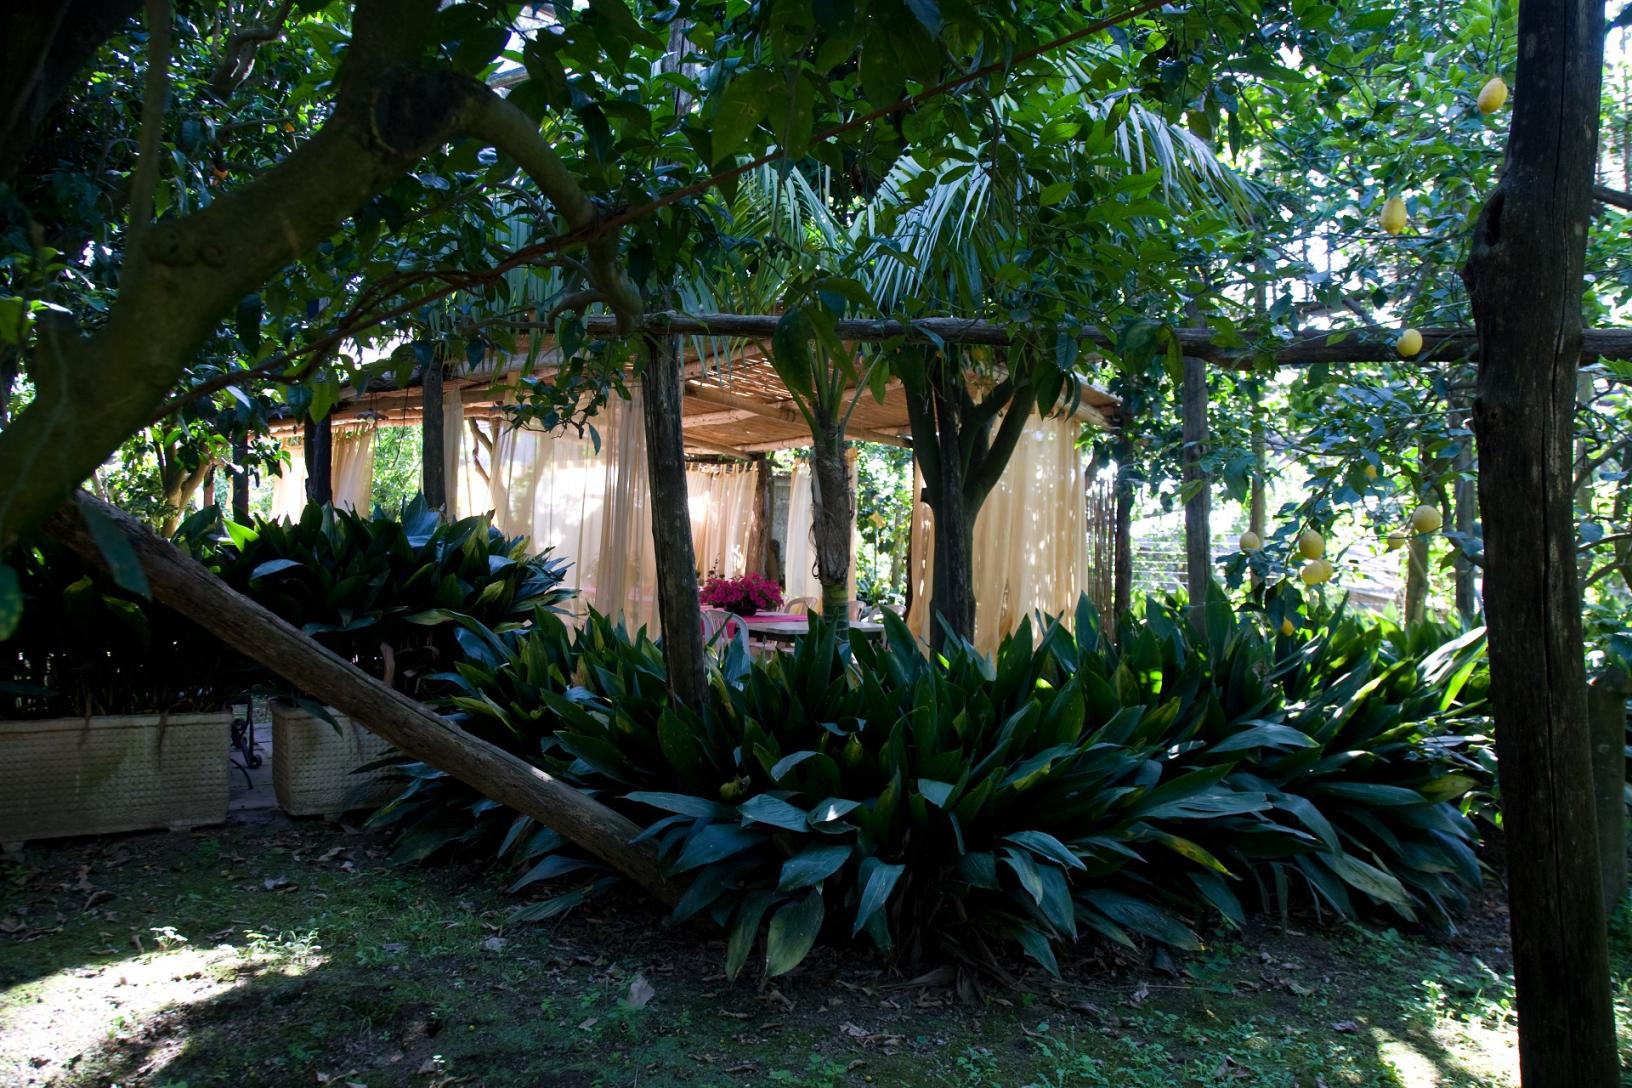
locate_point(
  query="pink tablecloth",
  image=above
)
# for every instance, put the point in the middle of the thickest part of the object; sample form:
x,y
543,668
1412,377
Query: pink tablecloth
x,y
779,617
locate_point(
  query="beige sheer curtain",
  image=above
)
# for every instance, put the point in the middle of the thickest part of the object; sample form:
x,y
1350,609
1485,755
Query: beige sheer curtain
x,y
453,440
721,498
592,509
1031,551
800,551
353,469
351,474
289,489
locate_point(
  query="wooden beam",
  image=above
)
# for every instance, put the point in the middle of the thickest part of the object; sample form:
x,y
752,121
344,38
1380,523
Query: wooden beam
x,y
712,394
718,419
1357,346
718,450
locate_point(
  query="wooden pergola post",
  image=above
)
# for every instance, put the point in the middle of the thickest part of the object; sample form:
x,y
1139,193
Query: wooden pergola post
x,y
1198,544
433,472
678,608
759,532
319,454
240,479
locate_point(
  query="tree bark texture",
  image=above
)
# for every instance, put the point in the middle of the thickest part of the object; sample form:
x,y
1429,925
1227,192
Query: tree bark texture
x,y
187,587
1198,542
1524,276
318,450
1122,575
759,531
678,609
1416,579
1606,718
833,519
1465,499
433,469
240,479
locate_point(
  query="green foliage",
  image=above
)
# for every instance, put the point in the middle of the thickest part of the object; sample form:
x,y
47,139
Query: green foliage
x,y
402,597
963,807
84,645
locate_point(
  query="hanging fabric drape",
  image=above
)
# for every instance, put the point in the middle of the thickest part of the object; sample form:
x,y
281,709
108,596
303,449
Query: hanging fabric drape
x,y
289,488
351,474
590,508
453,439
1031,550
721,499
800,550
353,469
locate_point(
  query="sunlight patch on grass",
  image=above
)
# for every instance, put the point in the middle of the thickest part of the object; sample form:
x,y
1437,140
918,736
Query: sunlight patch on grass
x,y
64,1020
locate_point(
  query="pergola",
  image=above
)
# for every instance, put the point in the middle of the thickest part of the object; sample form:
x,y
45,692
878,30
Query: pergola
x,y
735,409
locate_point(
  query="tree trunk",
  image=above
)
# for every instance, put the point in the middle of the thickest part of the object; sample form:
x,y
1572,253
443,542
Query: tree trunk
x,y
187,587
833,522
1416,579
319,453
677,606
1258,502
1524,276
759,533
1465,495
1198,543
1606,719
1122,576
952,590
240,479
433,468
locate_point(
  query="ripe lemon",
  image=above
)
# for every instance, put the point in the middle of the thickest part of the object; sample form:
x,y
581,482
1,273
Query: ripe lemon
x,y
1396,541
1426,519
1314,572
1409,343
1394,215
1371,472
1492,96
1250,541
1287,628
1311,545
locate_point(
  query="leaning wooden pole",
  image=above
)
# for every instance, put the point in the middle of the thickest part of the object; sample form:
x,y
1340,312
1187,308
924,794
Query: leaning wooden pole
x,y
187,587
1524,277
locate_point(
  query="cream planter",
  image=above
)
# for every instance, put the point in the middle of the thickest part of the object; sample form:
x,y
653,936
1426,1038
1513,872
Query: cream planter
x,y
96,776
312,764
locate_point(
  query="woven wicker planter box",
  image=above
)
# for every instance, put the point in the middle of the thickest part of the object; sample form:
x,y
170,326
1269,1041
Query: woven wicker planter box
x,y
96,776
312,764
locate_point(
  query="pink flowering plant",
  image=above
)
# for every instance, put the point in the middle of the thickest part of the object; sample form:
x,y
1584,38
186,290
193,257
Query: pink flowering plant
x,y
743,596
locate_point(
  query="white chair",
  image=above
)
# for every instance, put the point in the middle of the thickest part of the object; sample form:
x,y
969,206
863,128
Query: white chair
x,y
714,621
802,606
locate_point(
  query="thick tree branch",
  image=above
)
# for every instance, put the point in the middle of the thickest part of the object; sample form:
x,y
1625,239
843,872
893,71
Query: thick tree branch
x,y
983,477
238,57
155,93
503,124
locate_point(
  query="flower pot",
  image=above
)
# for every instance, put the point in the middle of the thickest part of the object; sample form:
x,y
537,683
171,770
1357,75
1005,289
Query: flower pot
x,y
746,609
313,764
96,776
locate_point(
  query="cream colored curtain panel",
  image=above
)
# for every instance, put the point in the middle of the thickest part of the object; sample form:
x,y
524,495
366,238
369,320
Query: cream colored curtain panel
x,y
592,509
721,500
289,489
800,551
1031,550
351,474
453,440
353,469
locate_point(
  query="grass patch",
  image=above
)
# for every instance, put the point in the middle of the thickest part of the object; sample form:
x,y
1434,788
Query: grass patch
x,y
282,954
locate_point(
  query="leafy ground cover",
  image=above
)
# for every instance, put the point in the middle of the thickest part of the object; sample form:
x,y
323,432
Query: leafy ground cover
x,y
275,953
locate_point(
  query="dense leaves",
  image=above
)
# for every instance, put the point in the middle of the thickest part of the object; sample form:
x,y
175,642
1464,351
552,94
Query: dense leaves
x,y
967,808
